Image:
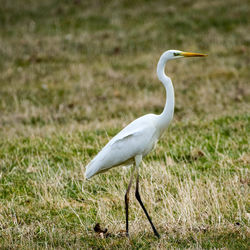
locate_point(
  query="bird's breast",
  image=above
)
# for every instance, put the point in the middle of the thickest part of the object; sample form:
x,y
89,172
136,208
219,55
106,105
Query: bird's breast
x,y
150,146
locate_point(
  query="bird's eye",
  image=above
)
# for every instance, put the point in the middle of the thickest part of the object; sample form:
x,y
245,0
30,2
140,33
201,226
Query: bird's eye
x,y
176,54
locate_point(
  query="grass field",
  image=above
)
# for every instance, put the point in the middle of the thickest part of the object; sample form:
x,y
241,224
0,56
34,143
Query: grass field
x,y
73,73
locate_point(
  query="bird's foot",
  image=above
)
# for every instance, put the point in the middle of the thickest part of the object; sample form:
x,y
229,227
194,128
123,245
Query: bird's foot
x,y
157,234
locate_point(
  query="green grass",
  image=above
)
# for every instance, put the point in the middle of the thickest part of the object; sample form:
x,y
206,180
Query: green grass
x,y
73,73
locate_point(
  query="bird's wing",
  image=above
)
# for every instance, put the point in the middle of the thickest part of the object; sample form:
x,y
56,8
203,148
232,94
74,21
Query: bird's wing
x,y
122,148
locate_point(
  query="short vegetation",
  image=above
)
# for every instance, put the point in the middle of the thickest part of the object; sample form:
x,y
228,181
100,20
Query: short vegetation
x,y
73,73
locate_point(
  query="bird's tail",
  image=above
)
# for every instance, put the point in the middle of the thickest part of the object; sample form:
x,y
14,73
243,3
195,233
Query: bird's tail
x,y
91,170
88,173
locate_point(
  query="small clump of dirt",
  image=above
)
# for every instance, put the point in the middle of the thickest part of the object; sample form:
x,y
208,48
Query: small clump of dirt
x,y
103,233
196,154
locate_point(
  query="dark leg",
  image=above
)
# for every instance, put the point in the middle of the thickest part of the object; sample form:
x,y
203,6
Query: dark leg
x,y
137,195
127,200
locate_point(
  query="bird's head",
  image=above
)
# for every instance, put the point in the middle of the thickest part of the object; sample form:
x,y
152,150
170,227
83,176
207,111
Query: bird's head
x,y
170,55
174,54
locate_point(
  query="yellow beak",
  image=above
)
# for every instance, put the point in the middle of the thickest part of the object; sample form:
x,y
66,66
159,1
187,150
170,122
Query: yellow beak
x,y
189,54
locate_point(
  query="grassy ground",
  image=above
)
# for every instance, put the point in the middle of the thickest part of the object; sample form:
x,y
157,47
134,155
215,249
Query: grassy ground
x,y
73,73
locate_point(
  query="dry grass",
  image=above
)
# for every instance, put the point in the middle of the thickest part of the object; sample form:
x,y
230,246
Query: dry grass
x,y
74,73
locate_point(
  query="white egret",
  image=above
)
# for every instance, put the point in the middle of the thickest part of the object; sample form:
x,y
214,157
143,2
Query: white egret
x,y
138,138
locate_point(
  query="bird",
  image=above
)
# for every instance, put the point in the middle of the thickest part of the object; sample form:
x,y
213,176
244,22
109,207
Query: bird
x,y
139,137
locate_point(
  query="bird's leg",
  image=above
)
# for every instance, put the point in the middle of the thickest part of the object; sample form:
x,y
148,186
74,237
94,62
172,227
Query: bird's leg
x,y
127,199
138,197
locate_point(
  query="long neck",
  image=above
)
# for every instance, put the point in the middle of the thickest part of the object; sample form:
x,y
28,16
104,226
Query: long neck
x,y
167,115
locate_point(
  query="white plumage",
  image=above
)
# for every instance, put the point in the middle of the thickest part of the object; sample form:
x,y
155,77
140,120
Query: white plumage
x,y
139,137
